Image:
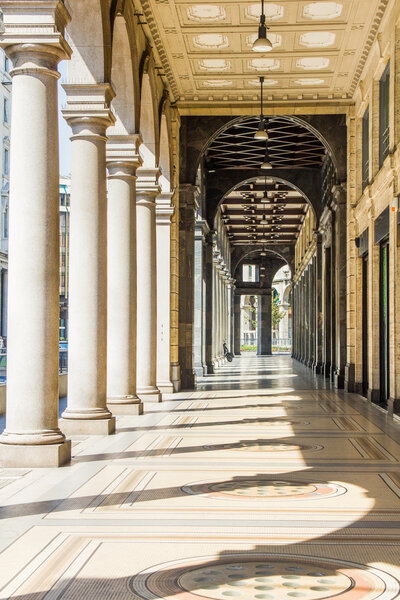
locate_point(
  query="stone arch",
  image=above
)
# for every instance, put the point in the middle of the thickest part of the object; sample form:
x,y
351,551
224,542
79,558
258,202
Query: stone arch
x,y
148,119
124,77
198,132
221,184
286,253
89,35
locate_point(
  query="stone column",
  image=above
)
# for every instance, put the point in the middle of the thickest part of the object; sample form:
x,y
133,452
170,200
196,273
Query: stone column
x,y
164,212
209,303
122,161
264,347
229,340
188,205
340,247
32,437
236,314
319,324
201,229
89,115
147,189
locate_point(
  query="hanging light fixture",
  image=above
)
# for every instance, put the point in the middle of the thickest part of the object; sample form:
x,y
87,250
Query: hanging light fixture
x,y
261,133
266,164
264,199
262,43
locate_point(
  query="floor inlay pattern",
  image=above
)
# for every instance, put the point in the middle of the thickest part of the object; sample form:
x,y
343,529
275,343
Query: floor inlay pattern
x,y
266,488
272,488
264,577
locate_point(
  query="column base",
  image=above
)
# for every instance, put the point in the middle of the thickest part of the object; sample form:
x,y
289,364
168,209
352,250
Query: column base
x,y
374,396
165,387
349,377
176,377
394,406
125,405
35,456
198,371
151,394
338,380
87,426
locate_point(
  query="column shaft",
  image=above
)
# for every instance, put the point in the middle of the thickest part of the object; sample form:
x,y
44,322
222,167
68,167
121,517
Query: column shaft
x,y
264,347
87,410
32,437
146,191
164,212
122,161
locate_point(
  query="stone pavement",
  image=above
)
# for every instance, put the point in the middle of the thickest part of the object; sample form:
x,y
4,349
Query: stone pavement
x,y
256,486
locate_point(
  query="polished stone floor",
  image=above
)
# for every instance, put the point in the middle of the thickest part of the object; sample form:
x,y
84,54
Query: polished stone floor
x,y
263,484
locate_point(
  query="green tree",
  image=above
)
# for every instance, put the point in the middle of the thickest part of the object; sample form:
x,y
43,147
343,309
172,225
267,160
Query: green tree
x,y
277,315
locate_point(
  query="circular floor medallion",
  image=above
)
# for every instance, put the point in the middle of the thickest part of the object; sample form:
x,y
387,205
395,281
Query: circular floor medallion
x,y
261,446
263,577
274,422
271,489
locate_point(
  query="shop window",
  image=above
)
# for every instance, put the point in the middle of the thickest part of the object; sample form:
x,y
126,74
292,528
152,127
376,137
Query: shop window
x,y
365,149
384,115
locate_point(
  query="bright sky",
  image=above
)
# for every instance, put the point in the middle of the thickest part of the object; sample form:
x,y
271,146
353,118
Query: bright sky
x,y
64,129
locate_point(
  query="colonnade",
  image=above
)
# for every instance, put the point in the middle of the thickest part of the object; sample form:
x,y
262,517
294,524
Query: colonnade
x,y
319,294
222,308
114,245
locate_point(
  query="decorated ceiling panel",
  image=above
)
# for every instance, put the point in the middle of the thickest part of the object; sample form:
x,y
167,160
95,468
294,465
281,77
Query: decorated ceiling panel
x,y
206,51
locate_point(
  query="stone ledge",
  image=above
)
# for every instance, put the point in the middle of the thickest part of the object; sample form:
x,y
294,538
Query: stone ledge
x,y
35,456
87,426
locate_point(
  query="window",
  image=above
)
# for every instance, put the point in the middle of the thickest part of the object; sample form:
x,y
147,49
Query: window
x,y
6,64
365,149
384,115
250,273
6,161
5,110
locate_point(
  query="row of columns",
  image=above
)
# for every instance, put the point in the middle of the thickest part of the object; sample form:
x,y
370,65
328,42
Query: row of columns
x,y
113,260
319,298
222,308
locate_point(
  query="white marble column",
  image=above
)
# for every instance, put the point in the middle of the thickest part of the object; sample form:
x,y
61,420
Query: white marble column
x,y
164,212
34,41
89,117
214,311
147,189
122,161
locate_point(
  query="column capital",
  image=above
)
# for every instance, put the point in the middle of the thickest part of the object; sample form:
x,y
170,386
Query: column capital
x,y
188,195
88,111
147,186
164,208
201,228
33,33
122,155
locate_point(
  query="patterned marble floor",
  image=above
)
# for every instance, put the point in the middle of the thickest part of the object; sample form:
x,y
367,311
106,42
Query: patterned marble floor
x,y
263,484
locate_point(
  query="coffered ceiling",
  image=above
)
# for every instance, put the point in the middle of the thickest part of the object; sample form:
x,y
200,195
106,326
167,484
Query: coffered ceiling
x,y
319,47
